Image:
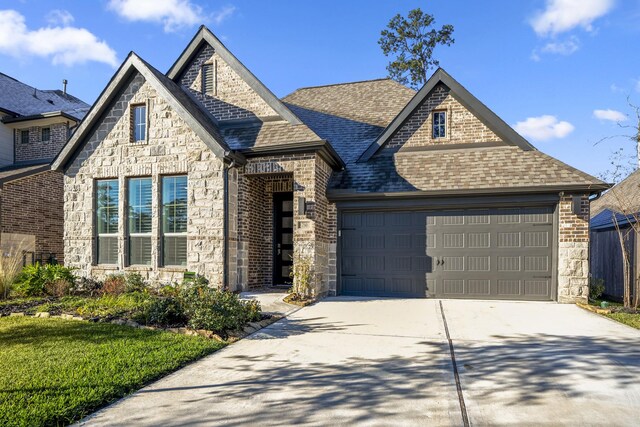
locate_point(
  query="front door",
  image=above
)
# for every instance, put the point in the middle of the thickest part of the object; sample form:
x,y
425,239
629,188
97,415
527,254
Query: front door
x,y
283,238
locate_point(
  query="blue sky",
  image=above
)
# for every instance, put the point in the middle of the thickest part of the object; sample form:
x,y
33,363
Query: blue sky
x,y
558,70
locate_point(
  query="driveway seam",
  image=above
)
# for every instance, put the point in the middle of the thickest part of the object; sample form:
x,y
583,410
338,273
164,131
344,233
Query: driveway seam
x,y
463,407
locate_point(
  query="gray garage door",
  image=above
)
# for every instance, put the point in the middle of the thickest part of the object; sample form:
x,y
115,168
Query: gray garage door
x,y
487,254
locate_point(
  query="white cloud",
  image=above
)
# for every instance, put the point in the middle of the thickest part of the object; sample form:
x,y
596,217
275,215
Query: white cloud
x,y
637,85
220,16
172,14
611,115
615,88
64,45
60,17
543,128
564,15
566,47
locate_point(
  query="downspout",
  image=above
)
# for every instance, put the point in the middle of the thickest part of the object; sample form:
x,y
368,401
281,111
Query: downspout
x,y
225,225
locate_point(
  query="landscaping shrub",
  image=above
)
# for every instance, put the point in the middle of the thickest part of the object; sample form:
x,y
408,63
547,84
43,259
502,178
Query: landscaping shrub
x,y
10,267
596,288
134,282
214,309
58,288
162,311
114,284
35,279
87,286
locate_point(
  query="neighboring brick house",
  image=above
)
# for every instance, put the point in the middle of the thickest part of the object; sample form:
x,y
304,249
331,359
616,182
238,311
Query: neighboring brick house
x,y
34,126
387,191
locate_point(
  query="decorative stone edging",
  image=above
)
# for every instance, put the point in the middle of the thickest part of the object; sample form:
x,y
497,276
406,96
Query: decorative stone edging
x,y
234,336
594,309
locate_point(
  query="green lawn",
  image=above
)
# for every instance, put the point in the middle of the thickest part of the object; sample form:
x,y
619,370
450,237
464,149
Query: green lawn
x,y
632,320
54,371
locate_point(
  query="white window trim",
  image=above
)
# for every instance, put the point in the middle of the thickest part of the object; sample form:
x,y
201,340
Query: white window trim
x,y
447,124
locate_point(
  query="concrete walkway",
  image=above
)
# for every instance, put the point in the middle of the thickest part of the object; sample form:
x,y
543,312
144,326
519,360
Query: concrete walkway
x,y
387,362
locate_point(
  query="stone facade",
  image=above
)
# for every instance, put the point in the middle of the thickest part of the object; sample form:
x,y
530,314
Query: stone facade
x,y
462,127
33,206
37,148
573,250
171,148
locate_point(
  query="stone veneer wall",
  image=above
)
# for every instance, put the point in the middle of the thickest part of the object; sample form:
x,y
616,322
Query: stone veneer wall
x,y
33,205
37,149
232,98
573,251
461,126
172,148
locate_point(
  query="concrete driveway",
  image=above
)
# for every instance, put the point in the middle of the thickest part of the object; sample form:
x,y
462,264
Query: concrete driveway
x,y
389,362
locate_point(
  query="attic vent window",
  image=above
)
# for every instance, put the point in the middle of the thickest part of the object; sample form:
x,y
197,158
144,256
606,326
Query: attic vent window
x,y
439,124
208,79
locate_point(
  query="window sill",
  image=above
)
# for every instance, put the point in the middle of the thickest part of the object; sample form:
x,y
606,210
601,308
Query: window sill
x,y
105,267
140,267
176,269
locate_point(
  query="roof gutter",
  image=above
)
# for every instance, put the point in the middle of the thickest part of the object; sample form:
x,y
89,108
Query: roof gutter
x,y
322,147
343,195
40,116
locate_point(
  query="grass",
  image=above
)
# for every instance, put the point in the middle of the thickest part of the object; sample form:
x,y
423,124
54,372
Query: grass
x,y
55,372
629,319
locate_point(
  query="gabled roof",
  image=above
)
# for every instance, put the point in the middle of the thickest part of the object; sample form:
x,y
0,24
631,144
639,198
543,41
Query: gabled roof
x,y
20,99
204,35
624,197
374,102
199,121
470,102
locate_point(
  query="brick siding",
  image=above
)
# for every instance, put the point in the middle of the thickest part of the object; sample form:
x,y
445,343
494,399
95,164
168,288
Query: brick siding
x,y
36,148
233,98
573,250
33,205
462,126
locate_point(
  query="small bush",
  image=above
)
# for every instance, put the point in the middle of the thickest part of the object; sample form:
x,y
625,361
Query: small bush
x,y
162,311
596,288
114,284
35,279
58,288
134,282
216,310
87,286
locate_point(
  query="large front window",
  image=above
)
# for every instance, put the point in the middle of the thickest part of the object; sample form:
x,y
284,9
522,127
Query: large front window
x,y
139,215
107,221
174,220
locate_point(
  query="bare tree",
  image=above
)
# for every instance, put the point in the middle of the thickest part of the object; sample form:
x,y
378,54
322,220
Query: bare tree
x,y
626,212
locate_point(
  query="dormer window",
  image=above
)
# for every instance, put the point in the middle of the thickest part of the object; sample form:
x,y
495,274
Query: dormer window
x,y
208,80
139,122
439,124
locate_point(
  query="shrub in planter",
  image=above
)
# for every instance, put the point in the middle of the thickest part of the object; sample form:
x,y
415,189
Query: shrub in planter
x,y
216,310
114,284
596,288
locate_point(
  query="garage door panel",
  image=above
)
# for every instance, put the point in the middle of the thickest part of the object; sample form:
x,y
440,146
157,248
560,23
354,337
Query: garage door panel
x,y
500,253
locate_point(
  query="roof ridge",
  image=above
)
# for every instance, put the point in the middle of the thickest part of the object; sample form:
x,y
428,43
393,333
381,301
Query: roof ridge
x,y
342,84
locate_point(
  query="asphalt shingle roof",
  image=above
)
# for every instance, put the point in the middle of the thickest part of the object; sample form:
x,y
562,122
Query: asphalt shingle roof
x,y
623,197
375,102
458,169
26,100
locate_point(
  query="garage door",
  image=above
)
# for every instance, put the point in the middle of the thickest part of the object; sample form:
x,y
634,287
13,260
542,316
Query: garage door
x,y
501,253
